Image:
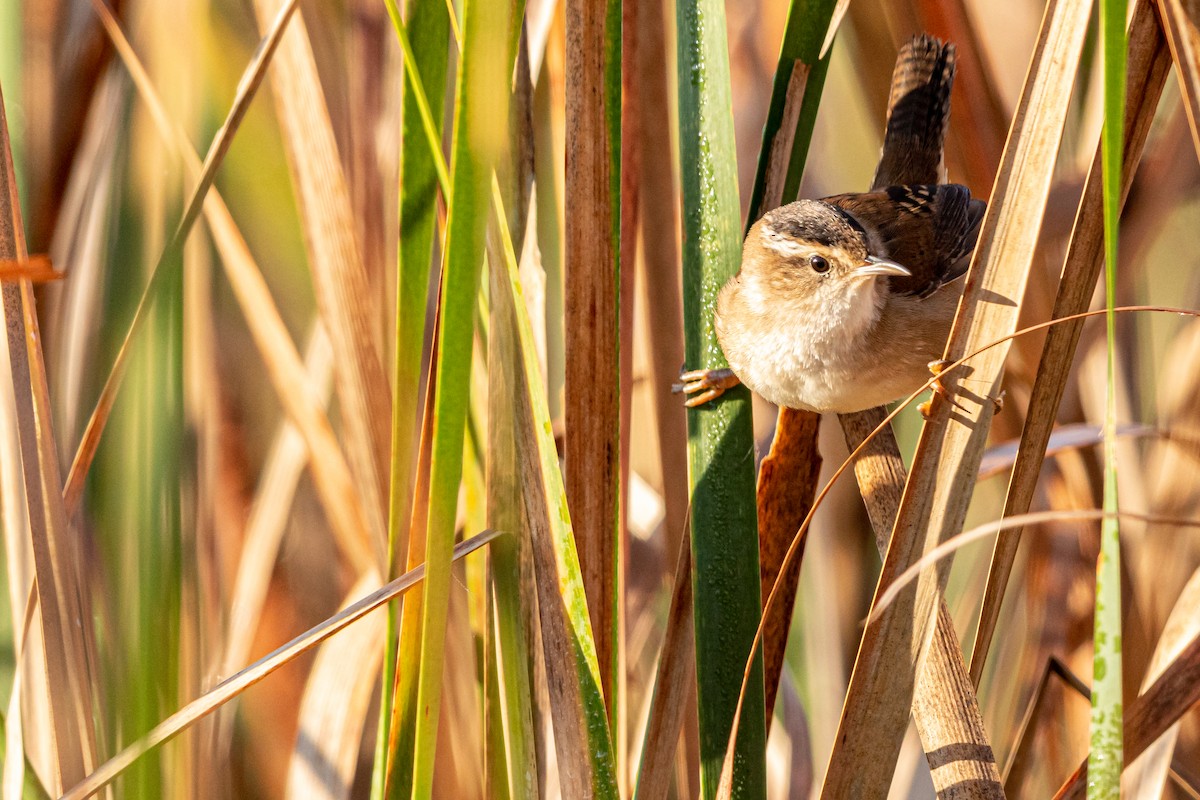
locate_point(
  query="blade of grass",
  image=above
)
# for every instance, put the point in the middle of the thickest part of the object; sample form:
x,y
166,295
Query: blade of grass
x,y
894,649
481,97
511,600
1105,760
233,686
1152,713
549,176
422,172
508,600
403,694
140,479
725,572
592,213
55,563
672,686
366,86
584,747
795,96
1148,67
660,258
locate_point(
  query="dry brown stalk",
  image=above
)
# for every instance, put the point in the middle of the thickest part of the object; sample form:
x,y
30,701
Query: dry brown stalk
x,y
592,410
787,479
945,708
1147,72
64,612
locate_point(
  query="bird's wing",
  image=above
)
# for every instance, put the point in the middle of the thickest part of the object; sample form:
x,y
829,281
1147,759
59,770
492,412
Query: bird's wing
x,y
931,230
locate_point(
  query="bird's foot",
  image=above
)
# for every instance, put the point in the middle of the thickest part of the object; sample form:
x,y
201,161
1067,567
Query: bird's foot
x,y
998,403
939,389
710,383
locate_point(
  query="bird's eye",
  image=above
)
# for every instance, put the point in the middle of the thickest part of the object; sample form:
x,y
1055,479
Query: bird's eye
x,y
818,263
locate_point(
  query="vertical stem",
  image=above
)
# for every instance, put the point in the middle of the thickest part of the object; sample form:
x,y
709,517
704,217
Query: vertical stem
x,y
721,447
592,410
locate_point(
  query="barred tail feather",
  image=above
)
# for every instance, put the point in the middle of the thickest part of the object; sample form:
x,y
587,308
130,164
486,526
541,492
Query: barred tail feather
x,y
918,113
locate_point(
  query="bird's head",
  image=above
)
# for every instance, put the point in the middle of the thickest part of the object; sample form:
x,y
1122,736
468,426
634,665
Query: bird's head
x,y
813,252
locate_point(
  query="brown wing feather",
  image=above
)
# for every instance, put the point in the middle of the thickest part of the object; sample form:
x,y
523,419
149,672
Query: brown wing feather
x,y
928,229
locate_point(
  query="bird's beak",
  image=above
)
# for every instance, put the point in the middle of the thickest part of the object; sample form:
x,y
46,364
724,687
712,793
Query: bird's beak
x,y
880,266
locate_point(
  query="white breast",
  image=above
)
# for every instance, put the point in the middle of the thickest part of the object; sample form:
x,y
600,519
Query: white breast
x,y
812,355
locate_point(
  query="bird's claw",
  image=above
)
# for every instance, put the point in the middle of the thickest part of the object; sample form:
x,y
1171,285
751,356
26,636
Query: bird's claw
x,y
711,383
939,389
998,403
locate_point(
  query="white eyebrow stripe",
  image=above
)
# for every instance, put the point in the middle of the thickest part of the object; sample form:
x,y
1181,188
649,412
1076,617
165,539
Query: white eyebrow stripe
x,y
782,245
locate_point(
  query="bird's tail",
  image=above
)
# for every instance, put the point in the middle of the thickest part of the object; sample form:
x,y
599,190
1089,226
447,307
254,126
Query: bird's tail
x,y
918,113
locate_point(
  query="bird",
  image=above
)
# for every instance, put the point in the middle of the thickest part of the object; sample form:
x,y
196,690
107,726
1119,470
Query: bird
x,y
845,303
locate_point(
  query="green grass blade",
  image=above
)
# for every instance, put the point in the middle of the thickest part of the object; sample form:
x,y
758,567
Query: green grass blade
x,y
720,440
807,22
1105,758
585,753
481,97
422,171
509,583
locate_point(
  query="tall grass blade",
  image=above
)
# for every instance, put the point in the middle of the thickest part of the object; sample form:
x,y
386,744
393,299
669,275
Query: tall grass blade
x,y
592,275
1154,711
422,171
659,222
795,96
55,556
586,763
512,758
140,476
1104,759
672,686
894,649
658,218
481,97
430,26
510,576
724,525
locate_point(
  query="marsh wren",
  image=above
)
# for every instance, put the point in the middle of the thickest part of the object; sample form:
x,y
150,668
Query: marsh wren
x,y
845,303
